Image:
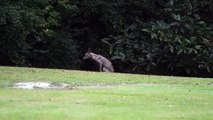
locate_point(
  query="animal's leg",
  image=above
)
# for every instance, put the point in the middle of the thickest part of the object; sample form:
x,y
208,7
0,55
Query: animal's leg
x,y
105,69
100,67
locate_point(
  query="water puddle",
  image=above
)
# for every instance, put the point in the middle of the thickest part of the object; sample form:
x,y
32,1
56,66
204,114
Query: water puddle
x,y
39,85
49,85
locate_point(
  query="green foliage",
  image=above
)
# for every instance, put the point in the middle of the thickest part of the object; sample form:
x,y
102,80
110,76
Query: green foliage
x,y
143,36
31,35
12,44
179,43
63,51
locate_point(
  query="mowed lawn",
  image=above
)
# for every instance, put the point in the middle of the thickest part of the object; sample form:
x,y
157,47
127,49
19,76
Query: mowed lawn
x,y
104,96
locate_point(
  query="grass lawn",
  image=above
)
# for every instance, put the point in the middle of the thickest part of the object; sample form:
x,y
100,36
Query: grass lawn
x,y
108,96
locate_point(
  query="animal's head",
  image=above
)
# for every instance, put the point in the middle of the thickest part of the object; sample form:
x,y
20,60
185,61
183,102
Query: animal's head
x,y
87,55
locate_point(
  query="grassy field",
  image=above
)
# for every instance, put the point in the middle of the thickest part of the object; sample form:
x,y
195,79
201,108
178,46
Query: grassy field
x,y
107,96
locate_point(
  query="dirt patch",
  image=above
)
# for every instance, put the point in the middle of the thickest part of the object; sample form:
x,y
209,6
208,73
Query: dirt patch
x,y
39,85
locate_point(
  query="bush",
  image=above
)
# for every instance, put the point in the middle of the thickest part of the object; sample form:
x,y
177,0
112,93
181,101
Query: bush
x,y
179,43
62,52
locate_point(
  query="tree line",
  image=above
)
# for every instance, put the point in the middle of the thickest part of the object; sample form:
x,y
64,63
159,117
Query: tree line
x,y
167,37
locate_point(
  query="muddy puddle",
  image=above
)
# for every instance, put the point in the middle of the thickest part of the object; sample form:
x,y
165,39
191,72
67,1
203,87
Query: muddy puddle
x,y
49,85
39,85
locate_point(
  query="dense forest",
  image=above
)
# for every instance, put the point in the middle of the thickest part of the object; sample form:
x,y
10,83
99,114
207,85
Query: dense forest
x,y
166,37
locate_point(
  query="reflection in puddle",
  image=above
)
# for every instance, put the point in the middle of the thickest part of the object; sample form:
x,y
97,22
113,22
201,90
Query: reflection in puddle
x,y
39,85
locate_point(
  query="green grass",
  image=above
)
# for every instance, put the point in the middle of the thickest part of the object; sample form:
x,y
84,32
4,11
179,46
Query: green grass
x,y
124,97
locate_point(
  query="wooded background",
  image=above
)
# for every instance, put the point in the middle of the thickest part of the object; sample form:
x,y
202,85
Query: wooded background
x,y
167,37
